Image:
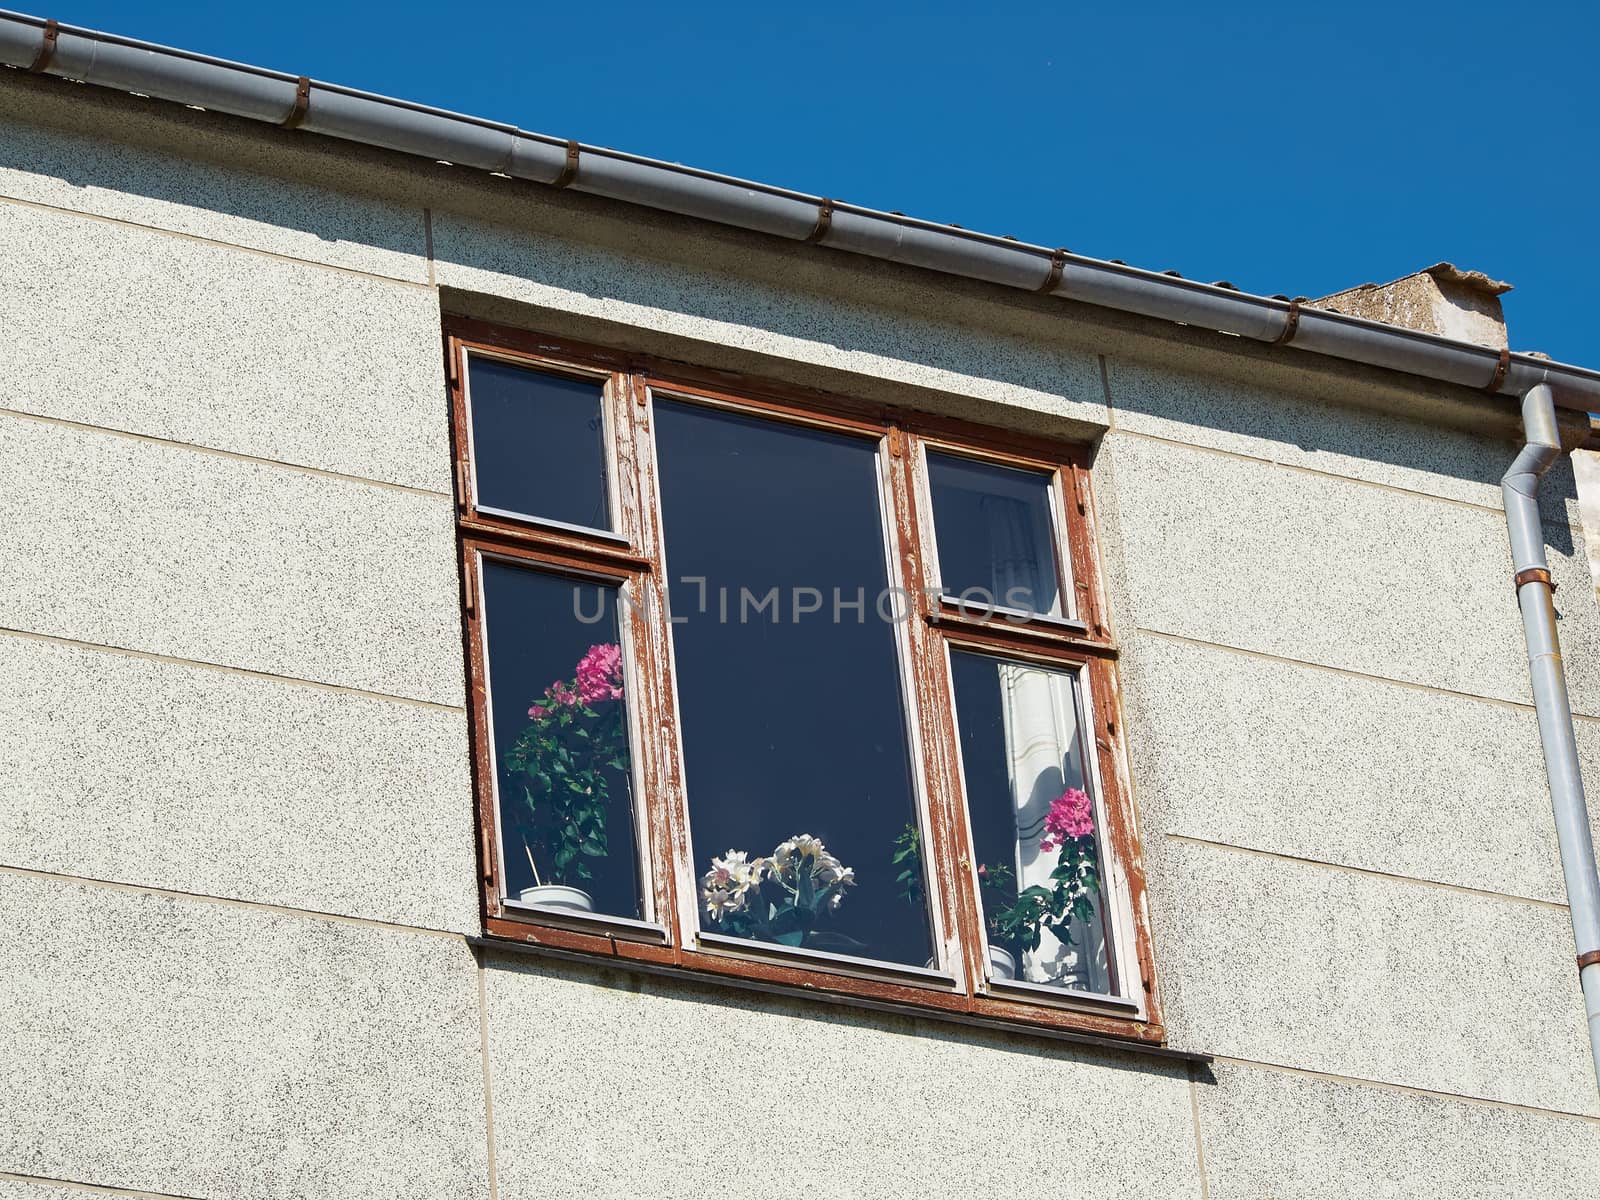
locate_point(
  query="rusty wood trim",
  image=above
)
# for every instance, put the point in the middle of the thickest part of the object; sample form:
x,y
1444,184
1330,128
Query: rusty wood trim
x,y
664,804
1533,575
559,561
1019,642
569,169
302,103
513,535
1030,451
816,416
478,721
1500,368
628,944
1135,1038
555,351
824,222
950,894
1058,267
623,544
1123,820
47,48
1078,502
1590,958
1291,324
474,666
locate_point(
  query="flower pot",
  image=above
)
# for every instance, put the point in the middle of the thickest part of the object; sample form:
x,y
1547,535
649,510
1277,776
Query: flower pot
x,y
557,895
1001,964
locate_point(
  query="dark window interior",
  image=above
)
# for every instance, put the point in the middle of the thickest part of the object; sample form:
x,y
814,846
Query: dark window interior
x,y
995,538
538,443
793,722
537,636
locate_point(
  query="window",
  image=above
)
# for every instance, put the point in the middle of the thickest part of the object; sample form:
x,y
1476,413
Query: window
x,y
777,686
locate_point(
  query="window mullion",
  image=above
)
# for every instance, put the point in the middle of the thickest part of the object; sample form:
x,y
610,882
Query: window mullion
x,y
665,801
1127,892
945,877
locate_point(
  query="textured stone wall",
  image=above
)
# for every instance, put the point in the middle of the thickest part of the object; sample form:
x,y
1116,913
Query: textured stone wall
x,y
236,860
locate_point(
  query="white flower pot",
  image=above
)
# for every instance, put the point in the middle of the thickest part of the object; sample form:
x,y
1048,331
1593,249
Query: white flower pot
x,y
557,895
1001,964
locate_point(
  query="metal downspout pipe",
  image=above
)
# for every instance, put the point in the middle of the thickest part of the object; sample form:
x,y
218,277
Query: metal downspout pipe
x,y
1520,488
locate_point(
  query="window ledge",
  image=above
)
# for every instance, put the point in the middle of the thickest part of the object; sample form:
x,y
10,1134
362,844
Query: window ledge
x,y
1141,1039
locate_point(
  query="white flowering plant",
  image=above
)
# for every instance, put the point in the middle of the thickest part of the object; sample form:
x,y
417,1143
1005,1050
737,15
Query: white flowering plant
x,y
782,898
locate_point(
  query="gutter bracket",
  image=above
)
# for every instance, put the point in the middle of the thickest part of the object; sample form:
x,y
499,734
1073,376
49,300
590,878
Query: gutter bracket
x,y
1500,369
570,171
824,222
1291,323
47,48
302,103
1058,266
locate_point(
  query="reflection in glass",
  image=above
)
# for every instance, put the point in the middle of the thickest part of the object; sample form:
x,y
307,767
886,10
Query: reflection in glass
x,y
995,539
796,757
560,727
1033,823
538,444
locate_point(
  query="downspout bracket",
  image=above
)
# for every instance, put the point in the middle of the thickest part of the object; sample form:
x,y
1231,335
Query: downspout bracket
x,y
1591,959
1534,575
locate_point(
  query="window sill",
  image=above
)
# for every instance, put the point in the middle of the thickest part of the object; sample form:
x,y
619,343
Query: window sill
x,y
915,993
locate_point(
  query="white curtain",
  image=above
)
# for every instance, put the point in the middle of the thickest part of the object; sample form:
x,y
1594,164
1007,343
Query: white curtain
x,y
1043,757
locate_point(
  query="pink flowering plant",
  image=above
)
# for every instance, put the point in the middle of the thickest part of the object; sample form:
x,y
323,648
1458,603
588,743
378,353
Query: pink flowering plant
x,y
1074,881
780,899
564,761
1015,920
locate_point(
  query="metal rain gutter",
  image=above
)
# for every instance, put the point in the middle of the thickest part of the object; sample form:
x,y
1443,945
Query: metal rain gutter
x,y
1520,488
196,80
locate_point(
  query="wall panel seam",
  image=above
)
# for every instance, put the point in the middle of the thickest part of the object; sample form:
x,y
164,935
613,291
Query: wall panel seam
x,y
488,1079
1199,1140
216,452
285,910
1323,864
96,1189
1184,639
223,668
1239,456
161,231
1404,1089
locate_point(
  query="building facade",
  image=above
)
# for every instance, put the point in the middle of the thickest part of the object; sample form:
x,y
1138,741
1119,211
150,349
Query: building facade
x,y
261,891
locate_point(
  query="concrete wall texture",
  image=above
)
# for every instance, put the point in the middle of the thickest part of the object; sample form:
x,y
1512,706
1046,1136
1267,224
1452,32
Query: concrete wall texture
x,y
236,859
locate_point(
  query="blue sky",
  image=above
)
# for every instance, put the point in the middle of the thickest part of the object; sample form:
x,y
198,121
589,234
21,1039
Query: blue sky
x,y
1287,148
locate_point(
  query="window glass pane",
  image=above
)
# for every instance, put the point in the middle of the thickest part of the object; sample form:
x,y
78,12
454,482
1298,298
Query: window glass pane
x,y
996,541
561,752
794,730
1033,823
538,444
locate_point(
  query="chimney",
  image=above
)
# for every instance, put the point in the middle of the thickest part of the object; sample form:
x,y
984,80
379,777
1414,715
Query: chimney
x,y
1441,299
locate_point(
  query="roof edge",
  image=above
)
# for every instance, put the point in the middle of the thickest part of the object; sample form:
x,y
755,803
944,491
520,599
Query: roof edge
x,y
272,97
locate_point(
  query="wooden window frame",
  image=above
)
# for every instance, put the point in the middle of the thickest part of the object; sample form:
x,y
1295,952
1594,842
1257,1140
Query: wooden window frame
x,y
632,556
